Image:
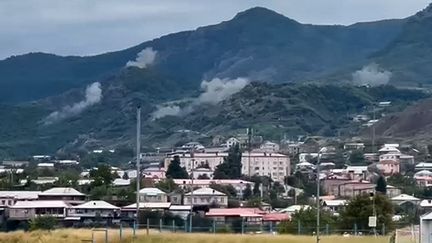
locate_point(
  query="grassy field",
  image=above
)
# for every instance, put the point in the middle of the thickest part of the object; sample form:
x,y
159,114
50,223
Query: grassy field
x,y
75,235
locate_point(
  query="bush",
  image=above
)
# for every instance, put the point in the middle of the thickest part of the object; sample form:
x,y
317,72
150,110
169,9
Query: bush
x,y
43,223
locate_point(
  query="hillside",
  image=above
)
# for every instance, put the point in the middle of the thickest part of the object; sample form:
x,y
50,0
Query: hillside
x,y
258,43
273,110
409,56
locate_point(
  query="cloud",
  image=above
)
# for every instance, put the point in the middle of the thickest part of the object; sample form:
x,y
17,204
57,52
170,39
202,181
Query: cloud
x,y
371,75
93,95
214,91
144,58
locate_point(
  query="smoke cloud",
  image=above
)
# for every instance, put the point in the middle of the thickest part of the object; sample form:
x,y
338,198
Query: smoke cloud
x,y
144,58
162,111
371,75
214,91
93,95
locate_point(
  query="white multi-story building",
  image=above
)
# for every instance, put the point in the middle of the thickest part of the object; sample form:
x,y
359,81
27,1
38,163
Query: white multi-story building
x,y
275,165
206,197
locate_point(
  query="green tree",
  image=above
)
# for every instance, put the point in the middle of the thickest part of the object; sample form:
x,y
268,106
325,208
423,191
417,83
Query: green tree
x,y
356,157
166,185
227,189
307,219
360,208
43,223
381,185
102,175
125,176
175,171
231,167
247,192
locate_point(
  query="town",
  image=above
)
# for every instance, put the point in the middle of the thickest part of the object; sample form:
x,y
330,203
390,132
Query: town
x,y
263,184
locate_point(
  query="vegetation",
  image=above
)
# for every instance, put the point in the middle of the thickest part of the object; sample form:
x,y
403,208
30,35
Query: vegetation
x,y
175,171
381,186
74,235
43,223
231,167
306,219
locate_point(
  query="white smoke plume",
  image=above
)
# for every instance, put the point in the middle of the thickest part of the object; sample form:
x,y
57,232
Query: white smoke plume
x,y
218,89
144,58
171,110
93,95
214,91
371,75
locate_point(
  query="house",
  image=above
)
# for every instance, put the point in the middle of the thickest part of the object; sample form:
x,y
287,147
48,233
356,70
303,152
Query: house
x,y
95,211
40,180
180,210
426,205
9,198
404,198
25,210
389,148
268,146
49,166
202,173
389,167
393,191
66,194
294,208
119,182
334,205
239,185
129,211
154,173
423,166
15,164
423,178
226,215
67,162
231,142
206,197
354,146
351,189
153,195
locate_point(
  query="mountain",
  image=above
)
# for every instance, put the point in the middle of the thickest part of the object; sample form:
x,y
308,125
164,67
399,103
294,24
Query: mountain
x,y
272,109
409,56
258,43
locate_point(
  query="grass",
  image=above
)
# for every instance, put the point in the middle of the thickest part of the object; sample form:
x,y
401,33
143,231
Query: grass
x,y
78,235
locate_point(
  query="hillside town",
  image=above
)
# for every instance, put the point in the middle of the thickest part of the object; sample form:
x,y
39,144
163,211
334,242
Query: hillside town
x,y
243,177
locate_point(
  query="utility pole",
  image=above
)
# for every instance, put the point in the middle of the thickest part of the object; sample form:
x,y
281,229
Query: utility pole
x,y
138,160
249,131
318,195
373,130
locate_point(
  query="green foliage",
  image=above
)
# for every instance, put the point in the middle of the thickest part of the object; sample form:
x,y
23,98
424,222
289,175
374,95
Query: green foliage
x,y
43,223
231,167
381,185
247,192
358,210
166,185
306,218
102,175
175,171
357,157
227,189
407,184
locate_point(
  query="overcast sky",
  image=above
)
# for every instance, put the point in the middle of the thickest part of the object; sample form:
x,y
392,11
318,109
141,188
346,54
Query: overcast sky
x,y
85,27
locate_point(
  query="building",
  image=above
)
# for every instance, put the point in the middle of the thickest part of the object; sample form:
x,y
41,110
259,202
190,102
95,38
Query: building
x,y
389,167
239,185
94,211
334,206
426,228
202,173
15,164
294,208
206,197
227,215
354,146
9,198
25,210
231,142
152,195
268,146
66,194
274,165
423,166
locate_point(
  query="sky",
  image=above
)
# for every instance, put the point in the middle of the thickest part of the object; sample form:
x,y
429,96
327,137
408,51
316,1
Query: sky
x,y
88,27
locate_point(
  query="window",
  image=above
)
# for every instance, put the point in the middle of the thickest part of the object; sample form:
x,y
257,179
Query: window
x,y
222,199
3,202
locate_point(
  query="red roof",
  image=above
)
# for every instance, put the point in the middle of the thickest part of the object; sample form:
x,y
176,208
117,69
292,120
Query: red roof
x,y
235,212
276,217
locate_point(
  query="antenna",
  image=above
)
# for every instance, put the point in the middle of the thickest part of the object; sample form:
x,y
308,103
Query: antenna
x,y
138,160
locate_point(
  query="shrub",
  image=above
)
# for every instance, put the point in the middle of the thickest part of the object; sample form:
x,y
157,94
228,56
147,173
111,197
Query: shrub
x,y
43,223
